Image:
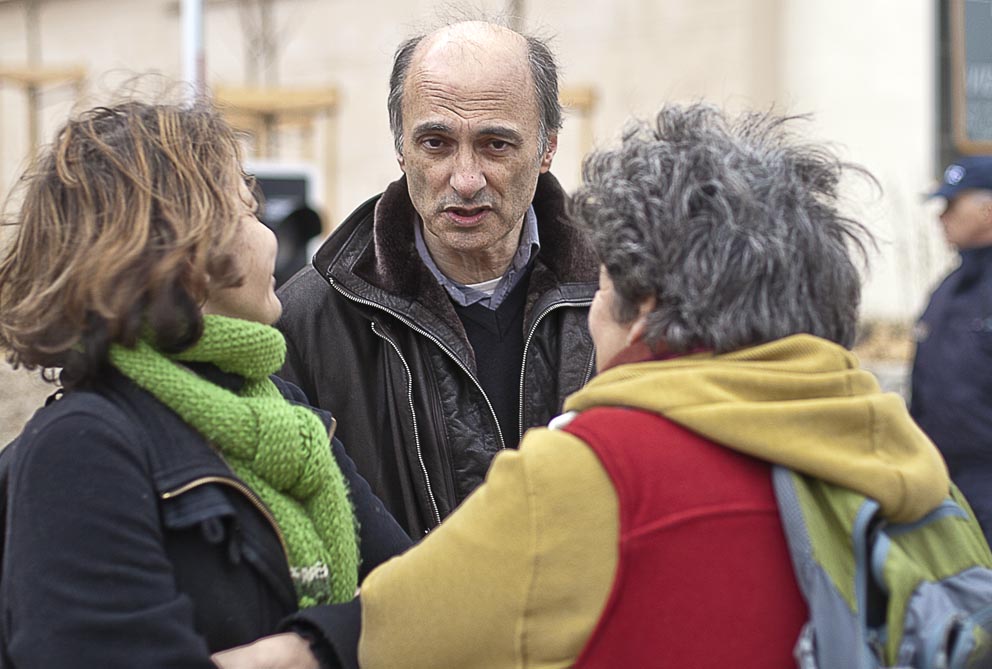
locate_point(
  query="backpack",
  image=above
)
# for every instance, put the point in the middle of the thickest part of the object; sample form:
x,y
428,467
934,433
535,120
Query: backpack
x,y
885,594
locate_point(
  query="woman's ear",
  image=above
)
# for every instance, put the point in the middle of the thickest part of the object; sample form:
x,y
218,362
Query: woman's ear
x,y
987,210
640,324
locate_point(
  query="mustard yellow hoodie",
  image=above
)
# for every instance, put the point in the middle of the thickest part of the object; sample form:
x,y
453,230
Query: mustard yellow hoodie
x,y
518,576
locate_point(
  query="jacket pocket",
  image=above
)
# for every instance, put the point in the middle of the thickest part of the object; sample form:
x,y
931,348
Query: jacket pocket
x,y
204,505
229,562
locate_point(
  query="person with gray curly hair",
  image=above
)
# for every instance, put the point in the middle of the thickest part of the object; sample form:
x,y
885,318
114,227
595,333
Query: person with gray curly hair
x,y
640,528
733,230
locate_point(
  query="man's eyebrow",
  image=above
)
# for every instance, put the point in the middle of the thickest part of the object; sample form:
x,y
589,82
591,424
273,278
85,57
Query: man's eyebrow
x,y
431,127
502,132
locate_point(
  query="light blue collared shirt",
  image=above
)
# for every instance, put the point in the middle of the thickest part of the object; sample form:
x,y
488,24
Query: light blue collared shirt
x,y
464,295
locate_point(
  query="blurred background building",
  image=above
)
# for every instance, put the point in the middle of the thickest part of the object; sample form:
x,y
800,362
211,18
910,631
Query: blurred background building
x,y
307,79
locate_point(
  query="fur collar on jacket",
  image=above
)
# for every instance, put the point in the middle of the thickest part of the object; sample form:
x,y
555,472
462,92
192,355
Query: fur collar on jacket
x,y
392,262
373,255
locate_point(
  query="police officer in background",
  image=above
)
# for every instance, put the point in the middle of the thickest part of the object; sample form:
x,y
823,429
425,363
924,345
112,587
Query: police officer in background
x,y
952,372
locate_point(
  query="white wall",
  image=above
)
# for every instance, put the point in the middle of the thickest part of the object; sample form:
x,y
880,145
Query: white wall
x,y
866,70
642,53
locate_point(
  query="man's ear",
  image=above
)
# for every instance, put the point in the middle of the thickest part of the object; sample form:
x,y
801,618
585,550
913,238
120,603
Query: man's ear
x,y
549,155
399,159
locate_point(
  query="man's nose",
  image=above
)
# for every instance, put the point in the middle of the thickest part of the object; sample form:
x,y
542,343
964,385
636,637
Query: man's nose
x,y
467,178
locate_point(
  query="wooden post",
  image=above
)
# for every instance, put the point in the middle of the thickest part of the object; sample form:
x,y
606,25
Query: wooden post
x,y
34,61
581,99
515,14
34,80
329,214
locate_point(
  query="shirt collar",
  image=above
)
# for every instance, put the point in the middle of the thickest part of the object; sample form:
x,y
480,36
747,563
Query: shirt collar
x,y
463,295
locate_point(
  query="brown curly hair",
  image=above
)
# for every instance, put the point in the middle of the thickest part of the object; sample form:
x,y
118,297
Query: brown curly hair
x,y
124,221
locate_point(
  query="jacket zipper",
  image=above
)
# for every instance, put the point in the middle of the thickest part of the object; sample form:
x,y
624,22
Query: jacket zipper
x,y
492,412
413,412
244,490
420,458
530,336
440,345
590,365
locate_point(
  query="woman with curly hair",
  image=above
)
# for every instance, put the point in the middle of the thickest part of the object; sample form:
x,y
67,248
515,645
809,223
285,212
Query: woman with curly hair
x,y
175,500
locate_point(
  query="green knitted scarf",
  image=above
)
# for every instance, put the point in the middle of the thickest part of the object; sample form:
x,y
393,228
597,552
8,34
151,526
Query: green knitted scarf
x,y
279,449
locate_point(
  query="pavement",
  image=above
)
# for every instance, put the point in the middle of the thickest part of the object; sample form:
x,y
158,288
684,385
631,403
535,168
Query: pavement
x,y
21,394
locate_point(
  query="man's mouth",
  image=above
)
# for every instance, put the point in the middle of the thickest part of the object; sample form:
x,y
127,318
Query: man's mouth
x,y
466,215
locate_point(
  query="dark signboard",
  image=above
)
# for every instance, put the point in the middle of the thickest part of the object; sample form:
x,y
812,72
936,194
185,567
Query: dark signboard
x,y
971,75
285,207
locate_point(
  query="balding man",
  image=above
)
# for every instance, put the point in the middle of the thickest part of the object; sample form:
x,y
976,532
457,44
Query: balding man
x,y
448,314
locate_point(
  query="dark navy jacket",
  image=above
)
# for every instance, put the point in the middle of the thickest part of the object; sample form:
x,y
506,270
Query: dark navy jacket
x,y
952,377
130,543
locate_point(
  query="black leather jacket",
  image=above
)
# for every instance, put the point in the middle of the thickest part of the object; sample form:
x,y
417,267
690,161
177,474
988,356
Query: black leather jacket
x,y
130,543
373,337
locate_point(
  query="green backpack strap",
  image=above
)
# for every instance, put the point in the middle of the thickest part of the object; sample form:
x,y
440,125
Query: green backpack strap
x,y
836,634
886,594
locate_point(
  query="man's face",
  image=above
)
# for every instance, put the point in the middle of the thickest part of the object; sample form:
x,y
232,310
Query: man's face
x,y
471,149
967,219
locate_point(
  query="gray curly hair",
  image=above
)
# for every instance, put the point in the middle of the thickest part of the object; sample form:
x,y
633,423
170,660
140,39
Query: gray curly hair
x,y
730,223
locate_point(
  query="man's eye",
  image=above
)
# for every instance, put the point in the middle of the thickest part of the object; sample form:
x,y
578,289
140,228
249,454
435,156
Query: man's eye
x,y
499,145
433,143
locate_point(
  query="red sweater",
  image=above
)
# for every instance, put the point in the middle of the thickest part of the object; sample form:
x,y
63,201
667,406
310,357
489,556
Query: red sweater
x,y
704,577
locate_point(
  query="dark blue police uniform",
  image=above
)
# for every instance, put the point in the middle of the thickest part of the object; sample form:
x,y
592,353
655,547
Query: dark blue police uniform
x,y
952,373
952,377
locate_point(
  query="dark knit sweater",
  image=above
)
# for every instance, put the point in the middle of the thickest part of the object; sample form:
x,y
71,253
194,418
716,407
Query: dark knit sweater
x,y
497,338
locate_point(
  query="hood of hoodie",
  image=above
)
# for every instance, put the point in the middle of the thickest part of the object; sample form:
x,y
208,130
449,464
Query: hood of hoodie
x,y
802,402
